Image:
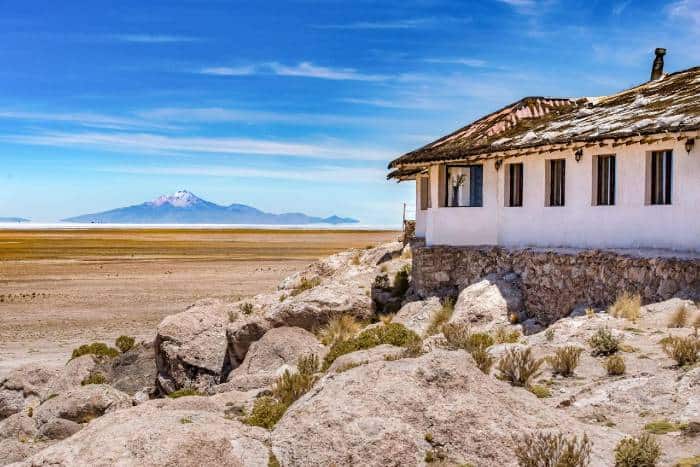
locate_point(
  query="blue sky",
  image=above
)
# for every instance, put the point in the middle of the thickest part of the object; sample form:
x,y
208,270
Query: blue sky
x,y
287,106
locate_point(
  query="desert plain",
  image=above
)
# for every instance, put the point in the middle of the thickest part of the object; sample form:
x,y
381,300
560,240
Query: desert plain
x,y
65,287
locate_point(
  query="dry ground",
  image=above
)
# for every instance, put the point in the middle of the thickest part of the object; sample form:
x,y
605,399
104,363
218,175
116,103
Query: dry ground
x,y
61,288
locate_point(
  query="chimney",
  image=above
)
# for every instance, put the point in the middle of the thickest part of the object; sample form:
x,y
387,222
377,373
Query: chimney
x,y
657,69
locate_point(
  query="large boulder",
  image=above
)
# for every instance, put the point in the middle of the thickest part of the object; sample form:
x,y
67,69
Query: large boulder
x,y
191,347
416,315
133,370
278,350
146,436
488,303
82,404
23,388
71,375
241,333
394,412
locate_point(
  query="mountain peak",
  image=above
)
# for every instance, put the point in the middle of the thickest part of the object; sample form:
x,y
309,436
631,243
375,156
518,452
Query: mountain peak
x,y
179,199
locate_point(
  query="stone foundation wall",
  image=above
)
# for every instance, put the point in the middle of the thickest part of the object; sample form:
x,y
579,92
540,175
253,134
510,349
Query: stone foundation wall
x,y
555,282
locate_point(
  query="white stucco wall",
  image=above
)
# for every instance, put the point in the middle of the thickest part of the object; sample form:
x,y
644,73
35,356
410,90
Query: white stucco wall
x,y
630,223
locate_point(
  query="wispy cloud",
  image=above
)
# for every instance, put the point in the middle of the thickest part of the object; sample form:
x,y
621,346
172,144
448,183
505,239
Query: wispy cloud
x,y
160,144
91,120
326,173
618,8
302,70
471,62
152,38
686,10
403,23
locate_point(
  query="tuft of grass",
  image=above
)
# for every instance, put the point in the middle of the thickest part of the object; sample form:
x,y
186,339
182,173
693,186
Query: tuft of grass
x,y
565,360
232,316
626,306
125,343
637,452
549,335
184,392
696,326
305,284
440,317
679,318
392,333
99,349
504,336
355,261
266,412
308,364
684,350
459,336
518,367
246,308
401,282
30,412
539,390
186,420
339,329
590,313
483,359
662,427
94,378
688,462
272,460
546,449
614,365
603,342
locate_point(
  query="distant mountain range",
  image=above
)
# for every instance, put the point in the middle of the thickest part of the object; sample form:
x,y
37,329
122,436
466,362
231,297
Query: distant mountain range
x,y
185,208
13,219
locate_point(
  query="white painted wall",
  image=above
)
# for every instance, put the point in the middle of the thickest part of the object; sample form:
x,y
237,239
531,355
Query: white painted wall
x,y
630,223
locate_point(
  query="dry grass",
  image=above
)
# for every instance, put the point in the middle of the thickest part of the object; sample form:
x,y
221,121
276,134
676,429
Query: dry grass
x,y
614,365
626,306
504,336
684,350
603,342
555,450
637,452
340,328
440,317
304,285
565,360
679,318
518,367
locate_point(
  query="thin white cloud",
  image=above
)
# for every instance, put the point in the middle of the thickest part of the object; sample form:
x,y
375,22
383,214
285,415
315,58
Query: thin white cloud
x,y
687,11
618,8
91,120
405,23
325,173
152,38
159,144
302,70
471,62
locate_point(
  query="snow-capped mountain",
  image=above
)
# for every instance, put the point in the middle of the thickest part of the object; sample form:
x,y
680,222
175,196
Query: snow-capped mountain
x,y
184,207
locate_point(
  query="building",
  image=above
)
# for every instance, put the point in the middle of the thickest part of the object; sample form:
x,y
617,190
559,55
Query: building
x,y
612,172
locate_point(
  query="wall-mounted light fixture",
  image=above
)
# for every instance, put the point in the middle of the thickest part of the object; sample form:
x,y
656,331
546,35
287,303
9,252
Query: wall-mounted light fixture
x,y
689,144
499,163
578,154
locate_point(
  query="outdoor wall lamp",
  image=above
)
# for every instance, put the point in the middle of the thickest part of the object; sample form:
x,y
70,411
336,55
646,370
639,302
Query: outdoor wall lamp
x,y
499,163
578,154
689,144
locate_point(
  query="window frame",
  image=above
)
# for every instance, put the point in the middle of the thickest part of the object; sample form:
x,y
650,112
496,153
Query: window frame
x,y
448,187
424,188
509,185
550,189
664,197
601,196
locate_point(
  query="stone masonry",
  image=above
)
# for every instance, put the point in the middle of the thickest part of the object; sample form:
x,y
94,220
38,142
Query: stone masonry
x,y
554,282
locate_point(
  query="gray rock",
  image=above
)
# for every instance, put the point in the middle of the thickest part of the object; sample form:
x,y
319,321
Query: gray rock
x,y
22,388
133,370
82,404
362,357
488,303
278,350
12,450
71,375
141,436
416,316
241,333
17,426
58,429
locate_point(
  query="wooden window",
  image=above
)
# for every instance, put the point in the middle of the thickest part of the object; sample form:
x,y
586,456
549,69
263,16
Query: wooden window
x,y
464,186
514,185
605,180
556,178
424,193
659,177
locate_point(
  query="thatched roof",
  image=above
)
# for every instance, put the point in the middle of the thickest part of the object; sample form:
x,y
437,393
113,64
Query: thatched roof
x,y
669,104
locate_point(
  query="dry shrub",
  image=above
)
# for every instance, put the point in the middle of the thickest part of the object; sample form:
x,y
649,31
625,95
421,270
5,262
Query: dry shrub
x,y
246,308
94,378
504,336
459,336
603,342
696,325
679,318
684,350
614,365
518,367
550,450
626,306
637,452
482,358
355,261
98,349
549,335
565,360
305,284
590,312
125,343
440,317
340,328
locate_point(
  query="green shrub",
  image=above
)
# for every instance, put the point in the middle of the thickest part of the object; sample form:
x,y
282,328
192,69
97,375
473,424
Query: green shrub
x,y
504,336
550,450
305,284
272,461
603,342
614,365
401,282
94,378
392,333
662,427
679,318
291,386
540,390
308,364
266,412
246,308
125,343
440,317
99,349
684,350
565,360
184,392
459,336
518,367
637,452
338,329
626,306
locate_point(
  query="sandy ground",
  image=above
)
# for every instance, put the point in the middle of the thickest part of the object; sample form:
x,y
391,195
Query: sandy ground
x,y
59,289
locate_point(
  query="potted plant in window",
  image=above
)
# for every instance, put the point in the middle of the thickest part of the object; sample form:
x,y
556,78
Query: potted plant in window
x,y
456,183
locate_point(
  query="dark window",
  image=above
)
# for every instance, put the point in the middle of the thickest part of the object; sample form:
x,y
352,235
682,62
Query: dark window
x,y
515,185
465,185
557,186
660,177
424,193
605,195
